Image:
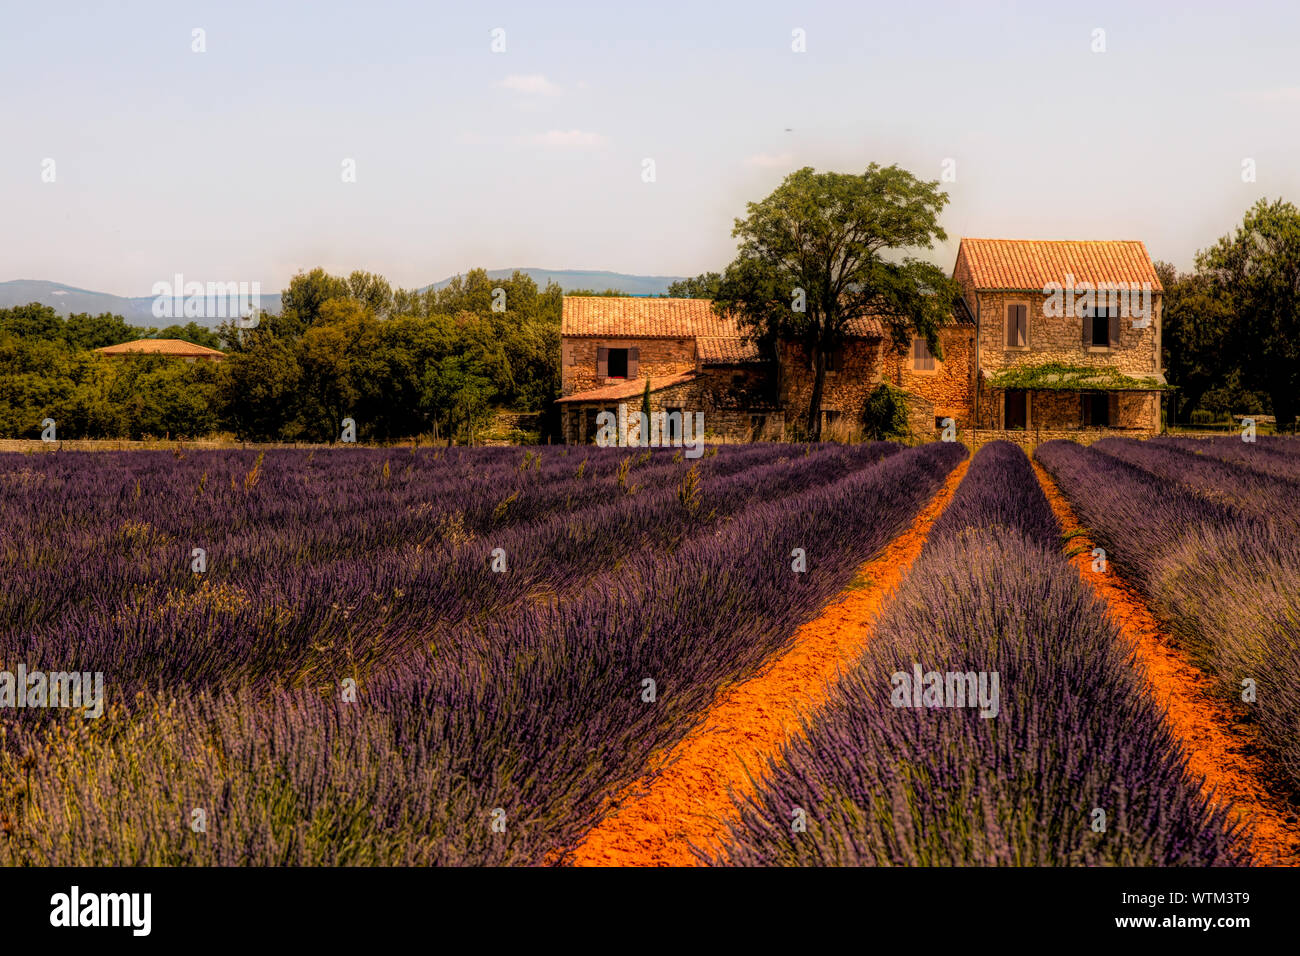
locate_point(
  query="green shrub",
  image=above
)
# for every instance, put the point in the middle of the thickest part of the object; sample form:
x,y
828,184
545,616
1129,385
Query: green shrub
x,y
884,416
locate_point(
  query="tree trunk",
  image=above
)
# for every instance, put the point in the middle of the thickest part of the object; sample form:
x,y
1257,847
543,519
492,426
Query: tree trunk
x,y
815,402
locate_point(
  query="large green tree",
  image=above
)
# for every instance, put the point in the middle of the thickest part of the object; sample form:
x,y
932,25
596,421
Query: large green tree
x,y
825,248
1255,277
1194,319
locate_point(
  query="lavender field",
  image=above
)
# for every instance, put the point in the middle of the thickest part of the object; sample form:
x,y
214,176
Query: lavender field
x,y
450,656
350,680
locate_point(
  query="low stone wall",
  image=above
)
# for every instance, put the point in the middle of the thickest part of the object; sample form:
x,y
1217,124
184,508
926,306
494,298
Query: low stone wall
x,y
1031,438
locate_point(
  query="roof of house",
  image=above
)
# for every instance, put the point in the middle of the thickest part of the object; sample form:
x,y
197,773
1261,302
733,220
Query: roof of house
x,y
178,347
629,389
726,350
719,338
1033,264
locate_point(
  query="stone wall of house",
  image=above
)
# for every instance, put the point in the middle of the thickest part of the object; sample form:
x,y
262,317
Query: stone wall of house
x,y
741,425
921,413
950,387
844,391
657,358
1060,338
740,387
1134,411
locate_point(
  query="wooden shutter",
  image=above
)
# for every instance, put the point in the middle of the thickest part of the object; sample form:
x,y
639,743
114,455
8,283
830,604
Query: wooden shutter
x,y
602,361
633,359
1113,410
1114,328
1017,326
1087,328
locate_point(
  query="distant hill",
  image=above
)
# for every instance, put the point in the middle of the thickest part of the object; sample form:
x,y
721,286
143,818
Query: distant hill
x,y
138,310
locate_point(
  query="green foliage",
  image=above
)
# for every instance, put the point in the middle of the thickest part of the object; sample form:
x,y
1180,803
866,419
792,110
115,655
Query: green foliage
x,y
703,286
1058,376
400,363
884,414
1253,278
189,332
835,241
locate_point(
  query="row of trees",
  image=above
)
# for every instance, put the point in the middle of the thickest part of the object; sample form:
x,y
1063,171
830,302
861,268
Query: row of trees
x,y
1232,326
398,363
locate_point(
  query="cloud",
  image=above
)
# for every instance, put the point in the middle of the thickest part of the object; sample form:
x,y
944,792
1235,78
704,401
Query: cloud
x,y
531,83
568,138
764,161
1280,94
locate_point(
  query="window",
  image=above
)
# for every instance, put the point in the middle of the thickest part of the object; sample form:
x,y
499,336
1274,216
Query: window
x,y
922,357
1017,326
835,361
757,424
832,416
617,364
1101,327
1096,409
1015,408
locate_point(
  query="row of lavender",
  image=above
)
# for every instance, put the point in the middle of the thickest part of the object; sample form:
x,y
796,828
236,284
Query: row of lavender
x,y
1210,539
499,740
273,609
993,720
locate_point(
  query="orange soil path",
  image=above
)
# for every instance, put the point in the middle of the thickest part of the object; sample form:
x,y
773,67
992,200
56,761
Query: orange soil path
x,y
1218,745
687,798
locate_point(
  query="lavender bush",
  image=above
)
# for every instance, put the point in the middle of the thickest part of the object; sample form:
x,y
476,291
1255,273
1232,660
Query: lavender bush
x,y
1074,734
1226,580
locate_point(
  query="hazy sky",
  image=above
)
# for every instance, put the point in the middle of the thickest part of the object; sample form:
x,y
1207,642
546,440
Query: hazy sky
x,y
227,165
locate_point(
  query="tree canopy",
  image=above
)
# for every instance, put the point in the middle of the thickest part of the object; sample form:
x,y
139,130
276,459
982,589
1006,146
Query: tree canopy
x,y
825,248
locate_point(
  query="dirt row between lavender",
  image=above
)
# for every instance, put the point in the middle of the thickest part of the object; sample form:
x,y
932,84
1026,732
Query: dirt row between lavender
x,y
687,797
1220,747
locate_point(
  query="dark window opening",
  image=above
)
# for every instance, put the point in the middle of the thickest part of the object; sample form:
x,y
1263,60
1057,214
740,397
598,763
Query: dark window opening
x,y
1015,408
617,363
1096,409
1101,329
757,424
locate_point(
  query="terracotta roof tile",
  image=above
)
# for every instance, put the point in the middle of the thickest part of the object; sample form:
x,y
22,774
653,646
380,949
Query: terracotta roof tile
x,y
632,389
643,317
1025,264
178,347
726,350
632,317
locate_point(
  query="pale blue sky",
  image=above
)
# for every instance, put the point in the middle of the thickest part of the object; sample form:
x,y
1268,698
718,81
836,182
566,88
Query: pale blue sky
x,y
226,165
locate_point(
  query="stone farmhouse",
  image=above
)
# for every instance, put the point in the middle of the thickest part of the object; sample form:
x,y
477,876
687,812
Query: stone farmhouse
x,y
1058,338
